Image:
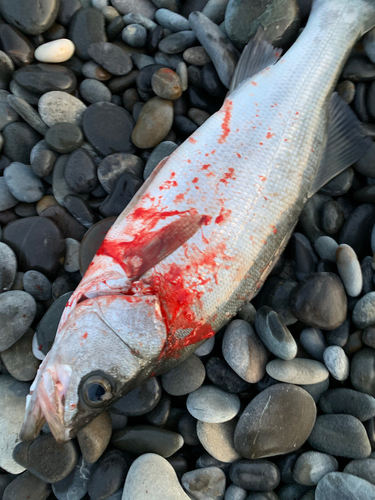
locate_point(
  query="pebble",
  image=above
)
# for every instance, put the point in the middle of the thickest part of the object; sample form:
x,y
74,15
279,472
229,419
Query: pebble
x,y
64,137
177,42
356,231
153,124
23,183
121,195
218,440
71,261
206,347
8,267
160,152
60,187
142,439
349,270
309,220
19,359
171,20
339,336
6,70
222,375
362,371
160,414
33,18
166,84
16,45
93,91
28,113
297,371
86,27
205,484
340,435
311,466
37,285
196,55
326,248
138,18
151,475
57,51
234,492
342,485
11,418
314,343
17,312
93,439
348,401
274,334
332,217
337,362
368,336
113,166
41,78
185,378
7,200
365,165
80,172
244,352
80,210
346,91
108,128
221,51
108,475
255,475
364,311
364,468
319,300
19,139
28,486
7,113
57,107
92,70
135,35
75,484
68,225
261,433
92,241
140,400
111,57
212,405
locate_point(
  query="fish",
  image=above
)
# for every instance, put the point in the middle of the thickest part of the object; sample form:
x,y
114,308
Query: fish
x,y
205,229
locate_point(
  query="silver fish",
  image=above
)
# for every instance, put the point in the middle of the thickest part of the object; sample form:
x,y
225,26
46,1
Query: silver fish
x,y
203,232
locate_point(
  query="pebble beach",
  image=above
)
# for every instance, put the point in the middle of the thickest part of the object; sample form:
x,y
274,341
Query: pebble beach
x,y
280,403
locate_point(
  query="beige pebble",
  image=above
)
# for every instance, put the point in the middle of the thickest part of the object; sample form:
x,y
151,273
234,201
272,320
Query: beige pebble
x,y
57,51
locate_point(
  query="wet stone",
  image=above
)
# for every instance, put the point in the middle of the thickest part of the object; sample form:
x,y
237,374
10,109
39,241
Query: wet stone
x,y
309,221
37,285
274,334
121,195
93,439
93,91
244,352
28,486
8,267
211,404
204,484
19,359
311,466
139,401
113,166
183,126
314,343
75,484
61,286
64,137
362,371
185,378
59,107
218,440
222,375
130,98
108,128
33,18
19,139
153,124
160,152
91,70
16,45
111,57
234,492
41,78
340,435
87,27
80,172
255,475
108,476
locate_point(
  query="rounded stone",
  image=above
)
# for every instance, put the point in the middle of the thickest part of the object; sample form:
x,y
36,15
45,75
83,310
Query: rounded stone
x,y
87,26
196,55
19,359
349,270
58,107
28,486
80,172
255,475
56,51
222,375
166,84
93,439
108,128
140,400
113,166
17,312
121,195
319,300
111,57
32,18
261,432
356,231
23,183
364,311
244,352
41,78
348,401
362,371
37,285
92,241
7,200
64,137
218,439
184,378
68,225
297,371
364,468
212,405
71,261
340,435
93,91
274,334
108,475
337,362
326,248
342,485
206,482
311,466
135,35
160,152
314,343
153,124
19,140
80,210
8,267
75,484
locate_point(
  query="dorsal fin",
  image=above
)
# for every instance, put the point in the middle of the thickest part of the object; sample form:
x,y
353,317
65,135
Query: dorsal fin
x,y
347,142
256,56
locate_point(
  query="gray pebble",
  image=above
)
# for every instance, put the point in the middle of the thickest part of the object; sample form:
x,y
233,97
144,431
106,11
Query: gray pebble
x,y
94,91
71,261
23,183
117,164
206,347
211,404
177,42
43,162
17,312
168,60
60,187
57,107
337,362
297,371
316,390
364,311
205,484
218,439
92,70
8,267
362,371
28,113
313,341
364,468
234,492
197,56
171,20
215,10
348,401
23,93
38,148
247,312
344,487
74,486
311,466
142,60
346,91
161,151
7,200
184,378
19,359
274,334
135,35
37,285
181,70
326,248
137,18
349,270
94,438
7,113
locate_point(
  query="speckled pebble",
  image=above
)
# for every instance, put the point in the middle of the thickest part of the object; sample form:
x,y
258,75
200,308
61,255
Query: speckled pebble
x,y
57,107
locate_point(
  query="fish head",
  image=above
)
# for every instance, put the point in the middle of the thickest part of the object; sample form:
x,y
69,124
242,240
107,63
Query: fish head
x,y
107,346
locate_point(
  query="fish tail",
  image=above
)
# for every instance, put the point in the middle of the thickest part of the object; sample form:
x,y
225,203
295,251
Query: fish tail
x,y
359,14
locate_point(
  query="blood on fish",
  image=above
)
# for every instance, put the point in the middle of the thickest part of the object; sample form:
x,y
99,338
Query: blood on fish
x,y
179,197
254,83
261,144
269,135
192,140
85,335
195,180
227,108
205,167
238,154
262,178
223,216
228,175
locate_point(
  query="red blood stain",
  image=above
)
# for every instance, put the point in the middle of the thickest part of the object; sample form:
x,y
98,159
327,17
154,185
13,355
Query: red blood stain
x,y
274,230
223,216
85,335
40,347
254,83
213,151
261,144
286,140
265,198
227,108
238,154
179,197
228,175
192,140
297,113
262,178
195,180
269,135
168,185
173,174
189,161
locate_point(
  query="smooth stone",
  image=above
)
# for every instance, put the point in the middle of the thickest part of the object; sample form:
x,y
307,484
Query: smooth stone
x,y
358,69
326,248
247,312
93,439
206,460
279,300
111,57
74,486
47,327
183,126
354,343
205,484
80,210
274,334
297,371
68,225
316,390
46,458
142,439
340,435
185,378
8,267
121,195
56,51
206,347
7,113
93,91
218,439
17,312
196,55
160,414
211,81
368,336
220,49
187,427
16,45
346,91
28,486
311,466
135,17
349,270
339,336
365,165
261,433
337,362
71,261
108,128
19,139
23,183
153,124
140,400
19,359
37,285
86,27
64,137
340,184
222,375
6,70
364,469
143,7
151,475
319,300
314,343
41,78
168,60
356,231
244,352
32,18
234,492
160,152
113,166
344,486
92,241
7,200
182,72
171,20
91,70
135,35
28,113
364,311
57,107
61,285
60,187
80,172
362,372
11,418
108,476
211,404
348,401
255,475
177,42
23,236
332,217
166,84
309,221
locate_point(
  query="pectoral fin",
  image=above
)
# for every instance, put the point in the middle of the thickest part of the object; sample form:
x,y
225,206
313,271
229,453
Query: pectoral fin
x,y
346,143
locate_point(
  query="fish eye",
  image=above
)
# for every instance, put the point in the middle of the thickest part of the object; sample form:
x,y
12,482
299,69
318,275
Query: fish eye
x,y
96,390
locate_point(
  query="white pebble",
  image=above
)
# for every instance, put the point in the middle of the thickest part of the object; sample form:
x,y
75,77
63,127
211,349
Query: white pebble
x,y
57,51
349,270
337,362
99,4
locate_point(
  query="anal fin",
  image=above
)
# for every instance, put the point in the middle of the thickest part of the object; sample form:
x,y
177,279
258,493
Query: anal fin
x,y
347,142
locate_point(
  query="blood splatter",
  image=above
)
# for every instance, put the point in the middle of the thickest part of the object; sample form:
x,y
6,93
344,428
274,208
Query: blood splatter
x,y
227,108
269,135
192,140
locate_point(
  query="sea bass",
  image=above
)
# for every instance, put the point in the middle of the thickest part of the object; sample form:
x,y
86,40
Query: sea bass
x,y
203,232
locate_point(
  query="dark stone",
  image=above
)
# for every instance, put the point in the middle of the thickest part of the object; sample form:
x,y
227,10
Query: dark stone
x,y
340,184
121,195
366,164
309,221
211,81
19,140
26,486
55,32
92,241
222,375
339,336
319,300
6,70
255,475
368,336
114,28
16,45
120,83
159,415
19,359
113,166
356,231
111,57
183,126
365,194
359,69
32,17
177,42
200,99
86,27
144,78
80,171
303,256
67,9
360,102
349,402
61,286
153,39
44,255
108,476
362,371
332,217
187,427
278,298
41,78
74,486
80,210
108,128
64,137
68,225
140,400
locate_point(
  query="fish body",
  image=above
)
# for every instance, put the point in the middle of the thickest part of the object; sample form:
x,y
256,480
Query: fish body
x,y
202,234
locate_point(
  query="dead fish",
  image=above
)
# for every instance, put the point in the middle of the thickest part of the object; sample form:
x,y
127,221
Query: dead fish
x,y
203,232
